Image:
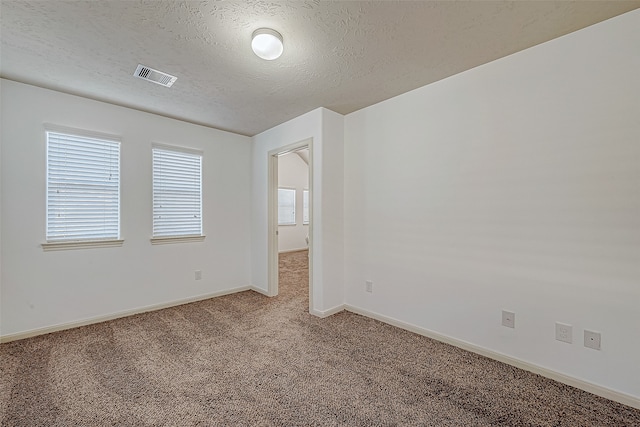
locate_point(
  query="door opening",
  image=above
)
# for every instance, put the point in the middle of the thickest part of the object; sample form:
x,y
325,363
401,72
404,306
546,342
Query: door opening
x,y
290,223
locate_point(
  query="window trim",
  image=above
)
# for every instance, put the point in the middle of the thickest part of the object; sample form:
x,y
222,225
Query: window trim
x,y
163,240
178,148
48,127
176,239
81,243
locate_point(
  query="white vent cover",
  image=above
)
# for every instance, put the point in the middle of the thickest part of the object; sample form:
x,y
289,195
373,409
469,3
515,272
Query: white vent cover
x,y
154,76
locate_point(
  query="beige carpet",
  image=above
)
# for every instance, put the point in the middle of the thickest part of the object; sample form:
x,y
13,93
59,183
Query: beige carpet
x,y
249,360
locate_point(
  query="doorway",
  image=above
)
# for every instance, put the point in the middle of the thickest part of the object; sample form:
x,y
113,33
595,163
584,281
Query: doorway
x,y
294,231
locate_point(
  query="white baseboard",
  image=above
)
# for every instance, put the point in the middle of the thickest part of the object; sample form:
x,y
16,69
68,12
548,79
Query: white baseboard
x,y
293,250
259,290
327,313
598,390
99,319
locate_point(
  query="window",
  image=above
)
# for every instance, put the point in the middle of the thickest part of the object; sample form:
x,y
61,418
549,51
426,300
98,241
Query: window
x,y
177,194
83,188
305,207
286,206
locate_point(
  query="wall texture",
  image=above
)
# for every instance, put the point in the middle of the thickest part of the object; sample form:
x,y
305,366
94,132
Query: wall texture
x,y
515,186
41,289
293,172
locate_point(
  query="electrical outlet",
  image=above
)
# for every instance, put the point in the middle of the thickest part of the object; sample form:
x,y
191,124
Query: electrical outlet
x,y
508,319
564,332
198,274
592,339
368,286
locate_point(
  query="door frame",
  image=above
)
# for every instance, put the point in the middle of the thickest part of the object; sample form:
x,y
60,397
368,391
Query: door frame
x,y
272,214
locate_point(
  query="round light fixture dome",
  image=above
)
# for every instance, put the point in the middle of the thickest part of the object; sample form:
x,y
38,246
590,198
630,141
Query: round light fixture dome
x,y
267,43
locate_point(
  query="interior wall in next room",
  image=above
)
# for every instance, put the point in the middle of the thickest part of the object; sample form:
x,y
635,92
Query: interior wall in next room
x,y
293,173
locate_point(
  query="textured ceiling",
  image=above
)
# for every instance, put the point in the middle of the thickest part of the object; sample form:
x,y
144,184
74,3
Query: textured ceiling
x,y
342,55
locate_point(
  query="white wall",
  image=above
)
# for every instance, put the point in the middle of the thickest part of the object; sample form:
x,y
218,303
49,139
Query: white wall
x,y
41,289
332,196
1,115
326,130
293,172
513,185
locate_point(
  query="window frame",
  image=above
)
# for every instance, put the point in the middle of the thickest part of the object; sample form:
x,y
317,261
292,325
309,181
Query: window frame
x,y
81,243
166,239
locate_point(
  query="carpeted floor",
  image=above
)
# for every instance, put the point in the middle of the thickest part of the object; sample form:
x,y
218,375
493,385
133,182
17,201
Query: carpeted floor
x,y
249,360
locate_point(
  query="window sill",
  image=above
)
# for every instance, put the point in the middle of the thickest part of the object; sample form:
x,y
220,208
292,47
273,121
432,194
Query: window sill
x,y
80,244
176,239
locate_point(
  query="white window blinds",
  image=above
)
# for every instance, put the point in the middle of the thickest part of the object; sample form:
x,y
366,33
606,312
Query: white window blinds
x,y
83,188
305,207
177,193
286,206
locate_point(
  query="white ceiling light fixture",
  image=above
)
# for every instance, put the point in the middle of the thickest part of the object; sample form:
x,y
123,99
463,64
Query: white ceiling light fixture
x,y
267,43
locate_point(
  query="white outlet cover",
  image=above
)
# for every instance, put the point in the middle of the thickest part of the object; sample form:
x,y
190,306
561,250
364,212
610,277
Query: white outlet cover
x,y
592,339
368,286
564,332
508,319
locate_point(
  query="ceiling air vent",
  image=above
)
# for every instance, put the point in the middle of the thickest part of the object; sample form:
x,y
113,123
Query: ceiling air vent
x,y
154,76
